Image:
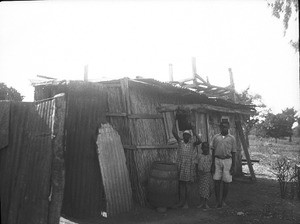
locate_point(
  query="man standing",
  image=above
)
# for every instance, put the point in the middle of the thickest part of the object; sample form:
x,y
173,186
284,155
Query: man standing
x,y
223,165
186,160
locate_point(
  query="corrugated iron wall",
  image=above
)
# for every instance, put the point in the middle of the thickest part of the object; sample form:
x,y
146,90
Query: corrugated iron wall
x,y
4,123
83,195
25,164
114,172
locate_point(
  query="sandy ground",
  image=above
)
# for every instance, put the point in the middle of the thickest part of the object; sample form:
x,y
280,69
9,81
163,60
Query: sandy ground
x,y
248,202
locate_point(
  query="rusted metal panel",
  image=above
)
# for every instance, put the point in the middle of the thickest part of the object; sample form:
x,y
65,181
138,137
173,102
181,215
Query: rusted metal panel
x,y
25,165
114,171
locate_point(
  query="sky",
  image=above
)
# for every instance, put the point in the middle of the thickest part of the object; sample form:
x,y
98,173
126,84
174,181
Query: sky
x,y
119,39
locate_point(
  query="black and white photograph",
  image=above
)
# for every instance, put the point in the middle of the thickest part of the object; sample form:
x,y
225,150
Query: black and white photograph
x,y
149,112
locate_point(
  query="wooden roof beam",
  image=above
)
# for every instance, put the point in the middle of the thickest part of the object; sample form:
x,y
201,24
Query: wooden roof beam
x,y
207,107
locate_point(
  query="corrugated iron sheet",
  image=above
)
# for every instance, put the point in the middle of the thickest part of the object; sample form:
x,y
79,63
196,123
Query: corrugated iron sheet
x,y
26,163
4,123
83,195
114,171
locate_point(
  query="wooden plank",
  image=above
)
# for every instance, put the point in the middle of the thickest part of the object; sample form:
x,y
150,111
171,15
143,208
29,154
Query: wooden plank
x,y
252,160
57,167
244,144
45,77
216,91
136,116
205,107
125,94
166,125
201,79
136,147
189,85
194,66
168,118
170,72
145,116
116,114
127,106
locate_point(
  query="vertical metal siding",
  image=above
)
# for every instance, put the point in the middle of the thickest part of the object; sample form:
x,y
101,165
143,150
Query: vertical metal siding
x,y
4,123
26,163
86,106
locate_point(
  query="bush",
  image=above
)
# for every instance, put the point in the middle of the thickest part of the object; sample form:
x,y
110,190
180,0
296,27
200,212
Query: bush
x,y
285,171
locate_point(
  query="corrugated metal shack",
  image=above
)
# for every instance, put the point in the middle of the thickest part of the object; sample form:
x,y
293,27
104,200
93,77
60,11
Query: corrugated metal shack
x,y
141,111
31,160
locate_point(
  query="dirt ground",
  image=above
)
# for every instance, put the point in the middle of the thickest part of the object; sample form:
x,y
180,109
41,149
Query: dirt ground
x,y
248,202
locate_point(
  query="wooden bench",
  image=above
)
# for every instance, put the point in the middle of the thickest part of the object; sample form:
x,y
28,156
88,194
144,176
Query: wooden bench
x,y
244,161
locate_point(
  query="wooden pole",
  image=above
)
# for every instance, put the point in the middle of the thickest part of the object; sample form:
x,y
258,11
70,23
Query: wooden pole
x,y
171,79
86,71
207,80
57,167
45,77
194,67
244,144
232,84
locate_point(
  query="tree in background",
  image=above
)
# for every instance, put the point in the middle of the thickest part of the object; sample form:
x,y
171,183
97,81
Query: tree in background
x,y
11,93
278,125
245,97
285,10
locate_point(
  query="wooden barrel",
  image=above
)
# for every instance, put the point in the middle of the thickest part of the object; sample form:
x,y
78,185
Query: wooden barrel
x,y
163,185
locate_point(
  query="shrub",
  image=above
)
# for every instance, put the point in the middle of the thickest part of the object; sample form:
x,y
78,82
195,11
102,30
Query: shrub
x,y
285,171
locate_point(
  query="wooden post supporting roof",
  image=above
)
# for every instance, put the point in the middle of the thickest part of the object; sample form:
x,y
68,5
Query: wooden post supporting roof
x,y
232,84
86,73
170,72
194,67
57,167
244,144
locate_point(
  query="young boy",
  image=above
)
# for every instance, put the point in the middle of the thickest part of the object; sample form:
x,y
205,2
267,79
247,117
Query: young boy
x,y
205,177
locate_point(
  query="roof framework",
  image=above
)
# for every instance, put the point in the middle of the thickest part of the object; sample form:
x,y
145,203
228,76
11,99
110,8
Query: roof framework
x,y
198,84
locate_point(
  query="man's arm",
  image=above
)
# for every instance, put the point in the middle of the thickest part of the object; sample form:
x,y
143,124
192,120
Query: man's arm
x,y
213,156
232,168
233,152
212,169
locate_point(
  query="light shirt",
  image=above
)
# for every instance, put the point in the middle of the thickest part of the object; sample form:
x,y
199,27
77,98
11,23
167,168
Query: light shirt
x,y
223,145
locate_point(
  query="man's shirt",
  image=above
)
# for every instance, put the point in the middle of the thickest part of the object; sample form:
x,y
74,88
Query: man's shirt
x,y
223,145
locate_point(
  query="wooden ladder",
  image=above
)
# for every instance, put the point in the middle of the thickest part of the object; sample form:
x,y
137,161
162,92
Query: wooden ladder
x,y
245,148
